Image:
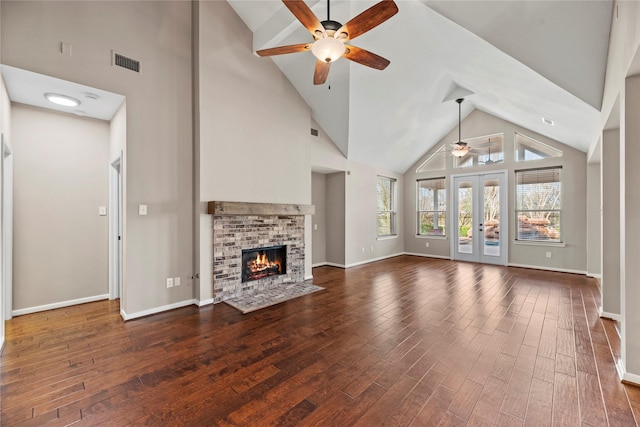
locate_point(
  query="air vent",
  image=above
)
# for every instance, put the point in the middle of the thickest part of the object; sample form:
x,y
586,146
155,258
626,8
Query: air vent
x,y
314,132
126,62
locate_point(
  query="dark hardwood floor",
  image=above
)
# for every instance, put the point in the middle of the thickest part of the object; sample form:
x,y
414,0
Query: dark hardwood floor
x,y
406,341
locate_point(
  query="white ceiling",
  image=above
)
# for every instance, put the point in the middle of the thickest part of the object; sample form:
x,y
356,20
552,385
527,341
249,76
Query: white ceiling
x,y
523,60
27,87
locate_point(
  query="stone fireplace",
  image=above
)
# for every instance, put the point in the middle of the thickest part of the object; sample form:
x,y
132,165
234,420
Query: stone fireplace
x,y
256,246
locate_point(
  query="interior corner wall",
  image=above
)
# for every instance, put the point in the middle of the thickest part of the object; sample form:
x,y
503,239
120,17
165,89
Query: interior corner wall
x,y
159,130
610,175
60,170
319,219
336,219
594,221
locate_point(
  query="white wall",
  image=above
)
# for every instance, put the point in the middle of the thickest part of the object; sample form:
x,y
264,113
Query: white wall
x,y
594,221
336,207
571,256
159,119
5,118
60,241
319,219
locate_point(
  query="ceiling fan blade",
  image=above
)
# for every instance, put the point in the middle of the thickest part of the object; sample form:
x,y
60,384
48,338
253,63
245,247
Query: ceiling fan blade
x,y
306,17
365,57
303,47
321,72
367,20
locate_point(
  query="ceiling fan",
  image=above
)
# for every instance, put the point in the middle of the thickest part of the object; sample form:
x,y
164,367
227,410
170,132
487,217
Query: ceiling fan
x,y
461,148
330,37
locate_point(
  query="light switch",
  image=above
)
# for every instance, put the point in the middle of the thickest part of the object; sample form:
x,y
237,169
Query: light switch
x,y
315,226
102,211
176,281
142,210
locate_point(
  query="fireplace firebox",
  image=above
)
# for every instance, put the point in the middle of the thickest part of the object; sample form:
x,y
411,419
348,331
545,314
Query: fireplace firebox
x,y
259,263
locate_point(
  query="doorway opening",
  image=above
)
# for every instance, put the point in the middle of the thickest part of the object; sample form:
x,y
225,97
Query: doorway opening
x,y
115,228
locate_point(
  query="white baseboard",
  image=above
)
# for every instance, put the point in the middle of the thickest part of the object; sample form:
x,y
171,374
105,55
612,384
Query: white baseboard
x,y
626,376
594,275
428,255
1,344
374,260
202,303
612,316
631,378
60,304
309,277
156,310
559,270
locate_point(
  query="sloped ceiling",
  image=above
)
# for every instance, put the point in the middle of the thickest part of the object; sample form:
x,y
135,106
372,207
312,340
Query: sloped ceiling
x,y
523,60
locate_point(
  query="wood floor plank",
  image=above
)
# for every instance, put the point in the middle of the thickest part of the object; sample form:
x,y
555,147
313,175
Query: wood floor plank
x,y
404,341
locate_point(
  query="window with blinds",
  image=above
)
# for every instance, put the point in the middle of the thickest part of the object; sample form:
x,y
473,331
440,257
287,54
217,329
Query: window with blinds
x,y
432,207
538,205
386,201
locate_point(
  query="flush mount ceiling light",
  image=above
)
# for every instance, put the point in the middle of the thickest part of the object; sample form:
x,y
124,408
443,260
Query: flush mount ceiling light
x,y
63,100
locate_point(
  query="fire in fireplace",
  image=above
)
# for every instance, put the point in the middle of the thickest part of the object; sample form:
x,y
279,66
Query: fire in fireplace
x,y
259,263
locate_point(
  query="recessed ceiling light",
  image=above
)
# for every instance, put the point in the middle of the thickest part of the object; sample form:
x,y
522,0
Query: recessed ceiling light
x,y
548,121
63,100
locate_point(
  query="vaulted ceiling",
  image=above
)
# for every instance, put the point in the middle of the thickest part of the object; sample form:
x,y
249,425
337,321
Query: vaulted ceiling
x,y
523,60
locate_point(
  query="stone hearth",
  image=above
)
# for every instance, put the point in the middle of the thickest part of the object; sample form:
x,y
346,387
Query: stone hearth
x,y
241,226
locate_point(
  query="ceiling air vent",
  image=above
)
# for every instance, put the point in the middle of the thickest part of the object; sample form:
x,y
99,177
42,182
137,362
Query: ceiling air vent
x,y
125,62
314,132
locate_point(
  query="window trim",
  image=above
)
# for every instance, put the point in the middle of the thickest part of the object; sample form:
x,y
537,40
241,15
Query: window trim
x,y
393,211
418,211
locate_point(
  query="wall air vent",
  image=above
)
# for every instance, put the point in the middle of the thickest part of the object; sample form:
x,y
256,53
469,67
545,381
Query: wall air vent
x,y
314,132
120,60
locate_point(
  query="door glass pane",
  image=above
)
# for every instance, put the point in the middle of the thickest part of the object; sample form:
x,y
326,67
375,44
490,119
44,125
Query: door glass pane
x,y
491,227
465,217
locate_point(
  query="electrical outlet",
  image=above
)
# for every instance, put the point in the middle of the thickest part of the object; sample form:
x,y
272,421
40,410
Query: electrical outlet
x,y
371,248
426,244
362,250
176,281
142,209
170,282
548,254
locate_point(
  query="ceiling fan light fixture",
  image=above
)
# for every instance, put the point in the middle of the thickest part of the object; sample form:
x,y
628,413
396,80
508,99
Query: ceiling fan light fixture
x,y
460,152
328,49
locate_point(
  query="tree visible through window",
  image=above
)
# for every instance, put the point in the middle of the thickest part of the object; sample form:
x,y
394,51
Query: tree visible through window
x,y
386,197
432,207
538,205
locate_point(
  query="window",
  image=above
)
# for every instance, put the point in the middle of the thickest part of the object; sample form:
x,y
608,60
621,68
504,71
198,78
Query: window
x,y
386,195
432,207
434,162
538,203
530,149
484,150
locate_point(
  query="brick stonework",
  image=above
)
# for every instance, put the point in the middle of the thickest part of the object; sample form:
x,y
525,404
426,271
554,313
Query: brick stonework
x,y
233,233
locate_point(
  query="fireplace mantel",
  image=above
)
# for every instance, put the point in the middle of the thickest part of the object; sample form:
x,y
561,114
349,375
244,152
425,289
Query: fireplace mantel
x,y
244,208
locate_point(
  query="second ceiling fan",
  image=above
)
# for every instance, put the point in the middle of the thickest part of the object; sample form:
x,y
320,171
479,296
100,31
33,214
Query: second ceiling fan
x,y
330,37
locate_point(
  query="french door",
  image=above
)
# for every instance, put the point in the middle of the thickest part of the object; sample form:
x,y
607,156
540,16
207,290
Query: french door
x,y
480,218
